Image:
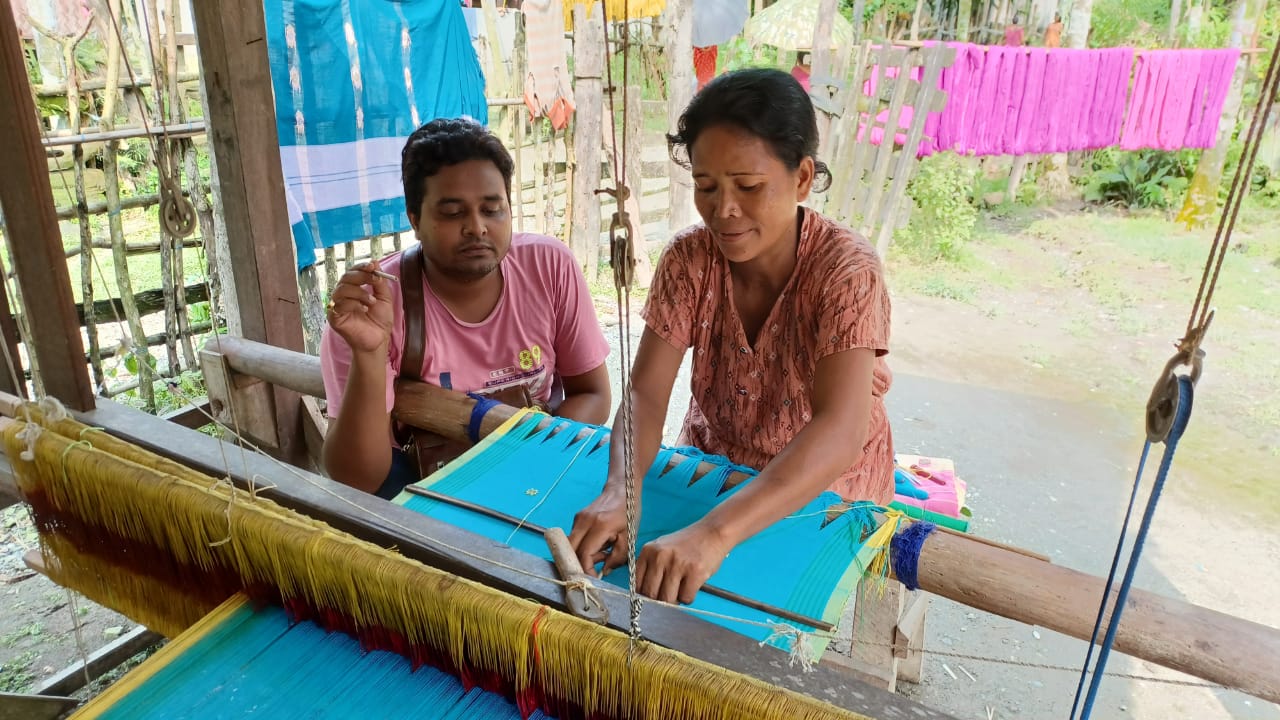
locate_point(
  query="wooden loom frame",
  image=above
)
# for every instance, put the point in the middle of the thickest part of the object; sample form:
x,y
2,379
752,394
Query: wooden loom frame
x,y
231,33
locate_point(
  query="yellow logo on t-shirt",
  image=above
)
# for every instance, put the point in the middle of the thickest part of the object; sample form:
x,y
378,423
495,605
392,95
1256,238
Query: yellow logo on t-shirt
x,y
530,357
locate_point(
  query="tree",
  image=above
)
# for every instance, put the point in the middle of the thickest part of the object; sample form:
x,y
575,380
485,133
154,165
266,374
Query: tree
x,y
1202,194
1054,180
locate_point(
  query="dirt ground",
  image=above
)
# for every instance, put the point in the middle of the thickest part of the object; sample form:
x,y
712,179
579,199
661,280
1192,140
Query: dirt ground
x,y
1025,367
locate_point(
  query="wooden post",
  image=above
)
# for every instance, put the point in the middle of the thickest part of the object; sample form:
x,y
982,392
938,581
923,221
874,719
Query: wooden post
x,y
588,72
632,123
962,20
821,64
10,383
678,27
915,21
231,37
34,238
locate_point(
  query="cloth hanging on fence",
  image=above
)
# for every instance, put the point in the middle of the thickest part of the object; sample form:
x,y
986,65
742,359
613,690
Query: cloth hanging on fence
x,y
547,88
1015,101
351,82
704,63
1177,98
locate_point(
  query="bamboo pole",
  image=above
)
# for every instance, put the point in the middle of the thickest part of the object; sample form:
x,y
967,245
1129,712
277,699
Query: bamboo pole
x,y
163,97
69,44
174,151
119,250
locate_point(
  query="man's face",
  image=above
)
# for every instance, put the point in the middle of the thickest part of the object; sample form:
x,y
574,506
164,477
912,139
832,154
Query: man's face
x,y
464,223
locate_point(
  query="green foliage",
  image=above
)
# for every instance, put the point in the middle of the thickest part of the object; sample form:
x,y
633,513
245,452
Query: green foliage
x,y
16,675
171,393
738,53
944,216
1137,23
1145,178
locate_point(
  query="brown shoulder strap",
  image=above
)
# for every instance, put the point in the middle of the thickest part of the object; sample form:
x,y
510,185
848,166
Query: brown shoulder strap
x,y
415,311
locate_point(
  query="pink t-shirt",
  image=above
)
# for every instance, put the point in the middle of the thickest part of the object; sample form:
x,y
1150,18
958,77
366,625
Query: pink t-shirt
x,y
543,327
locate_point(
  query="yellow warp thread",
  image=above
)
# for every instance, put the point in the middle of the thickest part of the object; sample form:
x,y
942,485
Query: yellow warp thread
x,y
157,502
130,594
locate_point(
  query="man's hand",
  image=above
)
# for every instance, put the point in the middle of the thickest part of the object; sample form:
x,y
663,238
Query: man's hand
x,y
360,309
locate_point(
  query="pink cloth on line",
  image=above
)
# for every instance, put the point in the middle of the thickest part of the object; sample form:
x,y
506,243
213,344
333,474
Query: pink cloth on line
x,y
1177,98
543,326
1017,100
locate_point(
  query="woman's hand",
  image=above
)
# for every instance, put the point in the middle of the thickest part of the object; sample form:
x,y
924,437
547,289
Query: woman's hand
x,y
600,531
360,309
674,567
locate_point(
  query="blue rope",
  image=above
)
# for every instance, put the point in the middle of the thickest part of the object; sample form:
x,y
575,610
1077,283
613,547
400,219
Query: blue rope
x,y
1185,396
905,551
483,405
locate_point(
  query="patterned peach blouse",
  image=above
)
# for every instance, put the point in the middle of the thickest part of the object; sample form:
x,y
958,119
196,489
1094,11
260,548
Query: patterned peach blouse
x,y
749,402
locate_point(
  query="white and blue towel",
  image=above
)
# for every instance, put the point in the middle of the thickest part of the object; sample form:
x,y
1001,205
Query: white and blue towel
x,y
353,79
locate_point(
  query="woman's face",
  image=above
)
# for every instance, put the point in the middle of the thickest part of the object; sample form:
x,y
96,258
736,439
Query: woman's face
x,y
746,196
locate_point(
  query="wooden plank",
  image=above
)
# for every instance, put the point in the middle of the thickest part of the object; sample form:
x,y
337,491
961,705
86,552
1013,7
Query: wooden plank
x,y
856,207
100,662
588,90
496,565
239,402
677,26
242,134
193,416
35,241
884,153
277,366
314,427
9,494
34,707
11,370
147,301
845,136
907,162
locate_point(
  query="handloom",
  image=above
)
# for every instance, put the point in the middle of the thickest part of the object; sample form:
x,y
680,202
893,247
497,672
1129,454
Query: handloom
x,y
166,545
543,472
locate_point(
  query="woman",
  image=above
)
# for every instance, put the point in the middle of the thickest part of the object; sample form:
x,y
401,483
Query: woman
x,y
788,317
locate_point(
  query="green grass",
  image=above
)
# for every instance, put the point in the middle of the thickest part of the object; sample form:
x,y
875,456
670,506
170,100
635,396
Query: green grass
x,y
1129,280
35,629
144,270
16,675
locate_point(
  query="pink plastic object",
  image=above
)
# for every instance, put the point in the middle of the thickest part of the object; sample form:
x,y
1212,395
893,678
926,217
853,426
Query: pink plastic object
x,y
945,491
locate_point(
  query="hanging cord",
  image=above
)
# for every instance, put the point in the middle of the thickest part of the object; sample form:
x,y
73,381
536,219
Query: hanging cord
x,y
1201,313
1169,406
622,261
177,213
1185,395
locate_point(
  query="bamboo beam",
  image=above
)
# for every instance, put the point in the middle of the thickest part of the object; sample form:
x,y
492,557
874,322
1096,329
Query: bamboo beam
x,y
1172,633
34,238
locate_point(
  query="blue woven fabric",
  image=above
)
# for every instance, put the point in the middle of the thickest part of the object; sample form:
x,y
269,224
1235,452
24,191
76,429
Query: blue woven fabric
x,y
258,664
806,563
352,80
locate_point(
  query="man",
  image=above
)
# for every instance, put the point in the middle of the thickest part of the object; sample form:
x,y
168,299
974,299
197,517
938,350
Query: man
x,y
801,70
1013,34
486,312
1053,33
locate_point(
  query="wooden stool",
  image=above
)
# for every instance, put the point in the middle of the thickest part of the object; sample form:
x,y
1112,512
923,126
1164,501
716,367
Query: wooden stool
x,y
881,636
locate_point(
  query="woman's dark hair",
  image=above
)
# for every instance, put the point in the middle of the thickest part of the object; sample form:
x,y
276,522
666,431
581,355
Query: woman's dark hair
x,y
769,104
444,142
